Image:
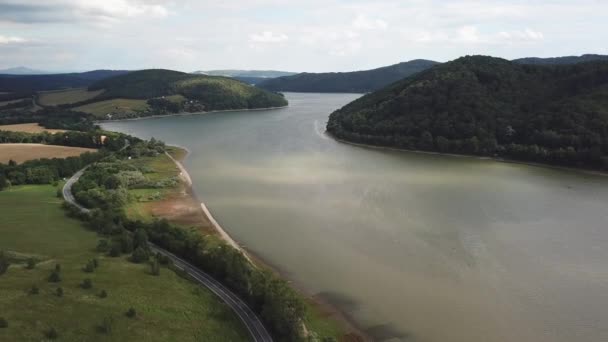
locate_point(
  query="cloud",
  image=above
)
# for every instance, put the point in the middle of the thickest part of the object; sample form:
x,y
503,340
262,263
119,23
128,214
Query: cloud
x,y
268,37
28,11
5,40
526,35
362,22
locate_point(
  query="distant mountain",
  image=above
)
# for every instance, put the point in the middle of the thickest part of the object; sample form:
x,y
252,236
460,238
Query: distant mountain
x,y
32,83
347,82
22,71
561,60
489,106
246,73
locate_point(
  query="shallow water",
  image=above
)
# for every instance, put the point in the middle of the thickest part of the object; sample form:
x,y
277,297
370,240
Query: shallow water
x,y
413,247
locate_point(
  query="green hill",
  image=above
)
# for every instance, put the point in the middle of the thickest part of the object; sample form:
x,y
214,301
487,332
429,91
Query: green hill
x,y
489,106
561,60
347,82
213,93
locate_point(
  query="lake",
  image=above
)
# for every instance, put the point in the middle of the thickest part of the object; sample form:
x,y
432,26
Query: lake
x,y
412,247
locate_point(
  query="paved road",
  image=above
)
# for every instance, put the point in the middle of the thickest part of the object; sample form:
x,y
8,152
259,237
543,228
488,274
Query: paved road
x,y
252,322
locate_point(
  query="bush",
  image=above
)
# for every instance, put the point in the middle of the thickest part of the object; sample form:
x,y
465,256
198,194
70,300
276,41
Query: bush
x,y
57,267
106,325
154,267
116,250
86,284
103,245
103,294
31,264
55,277
34,290
89,267
51,334
4,263
140,255
3,322
131,313
59,292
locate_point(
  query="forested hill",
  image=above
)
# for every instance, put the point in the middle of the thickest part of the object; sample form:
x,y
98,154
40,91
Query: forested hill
x,y
213,92
562,60
347,82
28,84
489,106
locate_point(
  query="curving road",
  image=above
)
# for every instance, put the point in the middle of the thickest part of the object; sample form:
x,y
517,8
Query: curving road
x,y
250,319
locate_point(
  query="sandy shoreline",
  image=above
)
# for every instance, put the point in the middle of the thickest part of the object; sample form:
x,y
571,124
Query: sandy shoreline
x,y
455,155
188,114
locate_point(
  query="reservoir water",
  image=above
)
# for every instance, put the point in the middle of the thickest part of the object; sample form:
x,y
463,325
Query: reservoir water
x,y
412,247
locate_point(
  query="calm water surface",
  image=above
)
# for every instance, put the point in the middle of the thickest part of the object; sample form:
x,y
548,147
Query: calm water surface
x,y
412,247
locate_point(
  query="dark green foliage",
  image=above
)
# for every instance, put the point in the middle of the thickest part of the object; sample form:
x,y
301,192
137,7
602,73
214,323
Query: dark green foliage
x,y
561,60
207,92
115,250
140,255
103,294
105,327
55,277
102,245
3,323
89,267
59,292
131,313
86,284
51,334
347,82
51,117
28,84
489,106
4,263
31,264
34,290
155,267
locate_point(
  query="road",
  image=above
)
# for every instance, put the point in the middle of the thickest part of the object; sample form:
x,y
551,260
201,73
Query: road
x,y
253,324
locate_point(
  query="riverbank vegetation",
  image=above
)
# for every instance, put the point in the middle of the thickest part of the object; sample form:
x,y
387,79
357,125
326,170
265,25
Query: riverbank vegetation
x,y
34,229
491,107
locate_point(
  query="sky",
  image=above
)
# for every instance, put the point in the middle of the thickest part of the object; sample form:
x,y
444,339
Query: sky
x,y
290,35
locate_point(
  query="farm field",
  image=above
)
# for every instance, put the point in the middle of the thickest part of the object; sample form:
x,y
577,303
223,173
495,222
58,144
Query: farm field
x,y
124,106
28,128
67,96
168,307
23,152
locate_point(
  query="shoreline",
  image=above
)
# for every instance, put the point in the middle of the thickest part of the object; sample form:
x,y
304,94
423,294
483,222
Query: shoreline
x,y
456,155
190,113
349,326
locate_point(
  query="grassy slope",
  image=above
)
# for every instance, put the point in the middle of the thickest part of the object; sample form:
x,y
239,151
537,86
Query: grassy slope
x,y
169,308
54,98
101,108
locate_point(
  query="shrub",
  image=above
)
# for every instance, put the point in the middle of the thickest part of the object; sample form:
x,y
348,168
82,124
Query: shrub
x,y
3,322
59,292
139,255
86,284
103,294
4,263
31,264
154,267
115,250
106,325
131,313
51,334
57,267
55,277
34,290
95,263
102,245
89,267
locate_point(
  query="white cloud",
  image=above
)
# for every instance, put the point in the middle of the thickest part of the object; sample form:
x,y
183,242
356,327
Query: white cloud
x,y
11,40
468,34
362,22
268,37
526,35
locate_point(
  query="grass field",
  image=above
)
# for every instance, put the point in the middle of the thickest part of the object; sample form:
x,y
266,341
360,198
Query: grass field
x,y
23,152
168,307
58,97
123,106
28,128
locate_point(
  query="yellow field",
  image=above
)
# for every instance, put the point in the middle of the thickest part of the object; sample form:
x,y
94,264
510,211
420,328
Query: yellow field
x,y
117,106
28,128
58,97
24,152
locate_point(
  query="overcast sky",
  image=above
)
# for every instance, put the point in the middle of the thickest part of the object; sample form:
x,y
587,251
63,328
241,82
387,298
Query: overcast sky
x,y
292,35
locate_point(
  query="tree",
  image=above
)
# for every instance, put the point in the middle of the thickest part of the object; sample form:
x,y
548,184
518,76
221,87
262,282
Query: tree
x,y
59,292
139,255
3,322
55,277
31,264
131,313
4,263
155,267
103,294
86,284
